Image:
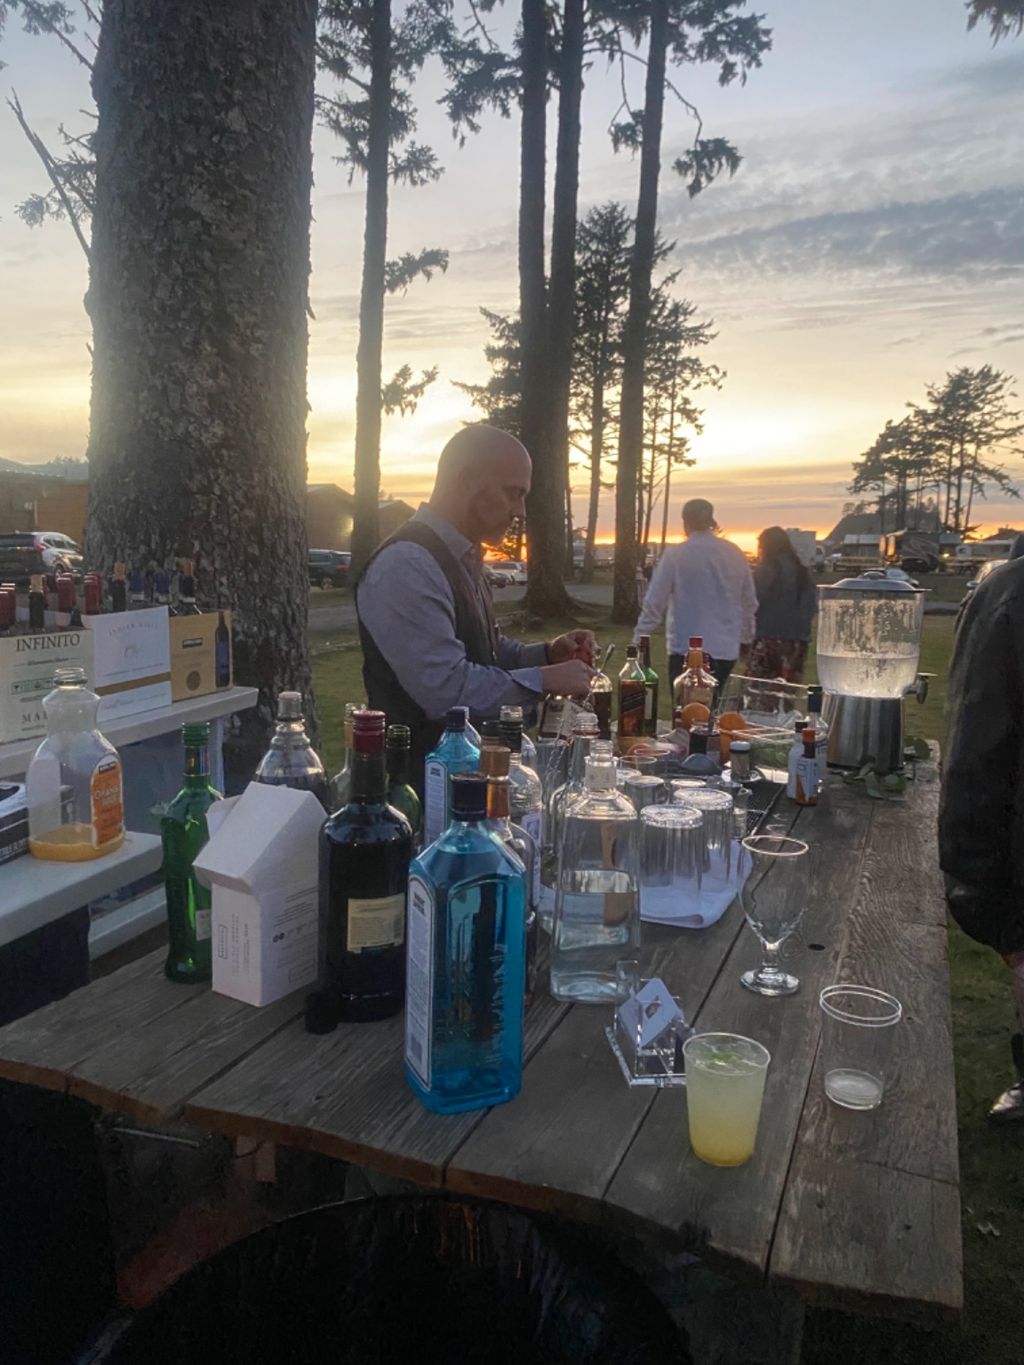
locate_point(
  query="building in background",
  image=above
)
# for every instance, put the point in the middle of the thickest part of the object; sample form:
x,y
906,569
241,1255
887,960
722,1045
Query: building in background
x,y
42,502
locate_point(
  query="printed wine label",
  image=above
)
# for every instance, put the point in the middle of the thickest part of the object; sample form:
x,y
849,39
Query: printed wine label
x,y
203,925
419,980
375,922
631,708
107,801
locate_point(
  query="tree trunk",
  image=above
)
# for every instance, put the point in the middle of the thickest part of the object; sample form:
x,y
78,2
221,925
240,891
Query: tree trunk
x,y
596,451
668,463
563,245
545,591
366,472
198,296
631,415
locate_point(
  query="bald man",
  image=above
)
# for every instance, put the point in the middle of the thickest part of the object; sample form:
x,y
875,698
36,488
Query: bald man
x,y
426,621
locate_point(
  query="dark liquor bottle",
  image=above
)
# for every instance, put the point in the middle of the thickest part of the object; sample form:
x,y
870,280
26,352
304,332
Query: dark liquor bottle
x,y
162,591
222,652
36,603
698,762
401,794
184,831
92,589
632,695
119,589
187,591
8,611
365,850
291,760
137,589
65,592
651,684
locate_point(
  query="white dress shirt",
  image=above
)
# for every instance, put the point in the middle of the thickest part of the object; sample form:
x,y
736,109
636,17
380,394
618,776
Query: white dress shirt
x,y
706,588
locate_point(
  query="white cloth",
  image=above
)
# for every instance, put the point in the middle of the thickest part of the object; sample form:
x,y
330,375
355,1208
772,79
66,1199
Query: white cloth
x,y
706,588
665,905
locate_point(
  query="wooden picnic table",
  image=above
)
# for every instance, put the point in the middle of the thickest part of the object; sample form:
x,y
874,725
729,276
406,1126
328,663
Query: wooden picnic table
x,y
852,1210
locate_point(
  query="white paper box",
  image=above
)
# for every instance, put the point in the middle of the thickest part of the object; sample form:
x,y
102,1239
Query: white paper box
x,y
262,864
131,663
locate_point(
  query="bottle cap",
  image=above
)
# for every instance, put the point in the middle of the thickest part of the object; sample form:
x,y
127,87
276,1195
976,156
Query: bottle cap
x,y
494,760
585,723
645,640
456,717
399,736
368,729
602,748
289,705
512,734
511,713
469,796
69,677
321,1013
696,641
698,739
490,731
196,732
815,695
35,582
631,651
600,773
740,746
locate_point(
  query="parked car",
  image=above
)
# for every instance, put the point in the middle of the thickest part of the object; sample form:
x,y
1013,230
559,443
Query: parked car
x,y
989,567
515,568
24,553
328,568
498,578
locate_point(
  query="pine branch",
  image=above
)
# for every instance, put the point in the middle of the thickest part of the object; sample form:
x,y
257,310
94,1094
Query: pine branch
x,y
40,149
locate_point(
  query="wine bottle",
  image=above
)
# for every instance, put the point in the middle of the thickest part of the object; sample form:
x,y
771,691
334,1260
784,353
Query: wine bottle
x,y
222,652
401,794
651,689
119,588
365,849
36,603
632,700
187,591
183,832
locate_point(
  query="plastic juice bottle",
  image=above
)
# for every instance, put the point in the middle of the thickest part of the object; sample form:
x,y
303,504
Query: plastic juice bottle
x,y
73,785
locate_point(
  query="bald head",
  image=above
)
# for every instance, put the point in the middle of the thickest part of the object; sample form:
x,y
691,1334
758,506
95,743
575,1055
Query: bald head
x,y
483,477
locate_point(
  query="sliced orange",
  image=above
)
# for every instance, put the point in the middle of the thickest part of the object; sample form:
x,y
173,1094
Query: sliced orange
x,y
731,720
694,713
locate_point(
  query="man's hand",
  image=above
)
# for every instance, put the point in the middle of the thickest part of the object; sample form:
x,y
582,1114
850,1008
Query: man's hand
x,y
569,679
574,644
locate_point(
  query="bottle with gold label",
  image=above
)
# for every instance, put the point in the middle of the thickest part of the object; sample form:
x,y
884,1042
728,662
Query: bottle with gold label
x,y
73,785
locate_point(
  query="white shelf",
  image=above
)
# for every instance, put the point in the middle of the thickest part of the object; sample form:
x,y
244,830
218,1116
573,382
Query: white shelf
x,y
34,892
125,922
16,756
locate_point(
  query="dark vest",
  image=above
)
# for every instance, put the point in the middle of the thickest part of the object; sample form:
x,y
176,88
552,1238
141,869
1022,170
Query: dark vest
x,y
474,628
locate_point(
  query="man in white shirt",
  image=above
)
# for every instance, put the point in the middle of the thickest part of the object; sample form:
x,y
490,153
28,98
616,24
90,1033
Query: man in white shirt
x,y
706,588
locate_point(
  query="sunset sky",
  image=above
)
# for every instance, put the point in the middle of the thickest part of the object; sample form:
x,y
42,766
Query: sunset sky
x,y
872,239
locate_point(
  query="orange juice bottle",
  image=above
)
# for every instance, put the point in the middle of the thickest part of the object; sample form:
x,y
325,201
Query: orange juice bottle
x,y
73,784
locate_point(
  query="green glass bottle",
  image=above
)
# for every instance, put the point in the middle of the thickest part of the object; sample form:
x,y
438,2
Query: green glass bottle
x,y
400,791
184,831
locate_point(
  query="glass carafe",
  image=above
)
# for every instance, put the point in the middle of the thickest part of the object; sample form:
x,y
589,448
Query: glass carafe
x,y
597,911
869,636
73,785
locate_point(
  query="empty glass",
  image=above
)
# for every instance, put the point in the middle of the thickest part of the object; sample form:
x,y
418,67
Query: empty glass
x,y
679,786
856,1042
671,865
643,789
774,876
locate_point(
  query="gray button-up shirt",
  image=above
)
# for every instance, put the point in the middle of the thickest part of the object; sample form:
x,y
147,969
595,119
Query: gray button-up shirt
x,y
407,606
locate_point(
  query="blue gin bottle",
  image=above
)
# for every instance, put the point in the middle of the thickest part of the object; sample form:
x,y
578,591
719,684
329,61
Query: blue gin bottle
x,y
455,753
465,962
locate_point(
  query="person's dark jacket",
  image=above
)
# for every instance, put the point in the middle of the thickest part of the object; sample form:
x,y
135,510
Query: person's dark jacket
x,y
786,602
981,815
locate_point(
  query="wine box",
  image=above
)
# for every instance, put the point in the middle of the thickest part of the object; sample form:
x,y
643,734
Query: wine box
x,y
194,655
27,665
131,665
261,863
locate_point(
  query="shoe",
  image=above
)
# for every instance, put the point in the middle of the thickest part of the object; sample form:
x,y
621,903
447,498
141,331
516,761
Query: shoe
x,y
1009,1107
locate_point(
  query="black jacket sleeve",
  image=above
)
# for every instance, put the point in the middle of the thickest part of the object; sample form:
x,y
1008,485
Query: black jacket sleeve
x,y
981,815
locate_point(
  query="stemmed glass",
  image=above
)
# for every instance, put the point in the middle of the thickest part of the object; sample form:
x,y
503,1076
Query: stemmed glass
x,y
775,888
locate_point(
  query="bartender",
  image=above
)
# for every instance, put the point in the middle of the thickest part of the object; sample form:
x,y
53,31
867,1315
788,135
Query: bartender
x,y
426,621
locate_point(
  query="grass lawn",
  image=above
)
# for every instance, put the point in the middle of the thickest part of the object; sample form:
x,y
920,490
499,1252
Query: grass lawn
x,y
991,1160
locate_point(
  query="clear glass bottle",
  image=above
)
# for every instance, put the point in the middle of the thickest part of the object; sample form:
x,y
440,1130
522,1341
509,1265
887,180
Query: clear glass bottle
x,y
597,907
183,832
341,782
455,753
651,694
695,683
632,700
815,719
401,795
73,785
466,963
494,765
291,760
804,779
527,798
584,736
365,849
529,749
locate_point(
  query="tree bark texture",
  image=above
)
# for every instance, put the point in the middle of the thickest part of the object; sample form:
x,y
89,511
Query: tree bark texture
x,y
366,474
631,413
198,294
545,592
561,297
596,451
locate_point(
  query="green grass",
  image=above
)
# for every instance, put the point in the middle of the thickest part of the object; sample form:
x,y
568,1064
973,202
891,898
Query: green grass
x,y
991,1160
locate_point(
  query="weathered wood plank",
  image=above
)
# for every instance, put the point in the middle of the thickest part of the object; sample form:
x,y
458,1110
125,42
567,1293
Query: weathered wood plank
x,y
46,1047
730,1215
898,1169
345,1095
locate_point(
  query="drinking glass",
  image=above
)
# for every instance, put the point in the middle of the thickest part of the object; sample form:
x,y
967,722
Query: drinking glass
x,y
719,860
643,789
725,1075
774,893
671,862
856,1041
680,786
